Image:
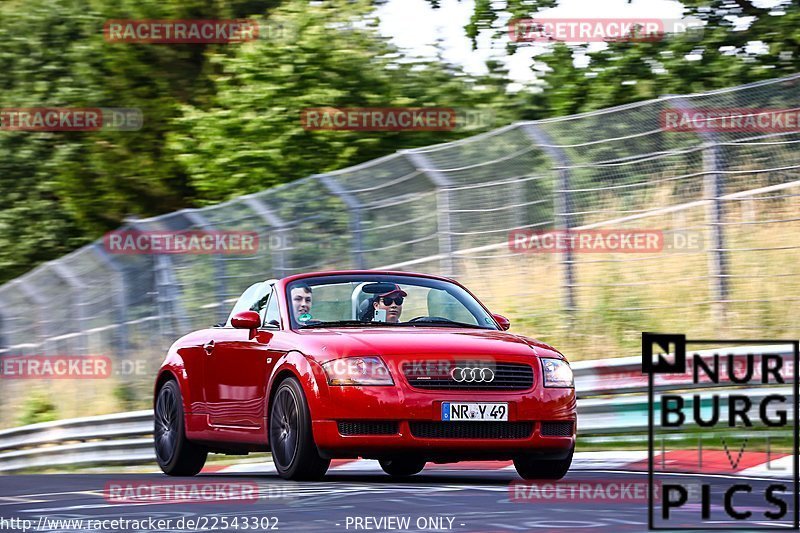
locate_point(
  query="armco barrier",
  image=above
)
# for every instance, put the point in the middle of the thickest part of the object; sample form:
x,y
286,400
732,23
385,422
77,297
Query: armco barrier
x,y
609,391
624,374
449,209
109,439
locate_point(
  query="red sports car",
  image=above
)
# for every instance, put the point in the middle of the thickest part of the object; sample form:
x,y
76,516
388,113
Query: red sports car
x,y
399,367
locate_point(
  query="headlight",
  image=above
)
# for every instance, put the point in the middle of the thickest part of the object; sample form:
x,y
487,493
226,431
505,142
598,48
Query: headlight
x,y
557,373
358,371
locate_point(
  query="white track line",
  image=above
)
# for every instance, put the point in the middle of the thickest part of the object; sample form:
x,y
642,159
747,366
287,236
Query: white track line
x,y
618,461
581,461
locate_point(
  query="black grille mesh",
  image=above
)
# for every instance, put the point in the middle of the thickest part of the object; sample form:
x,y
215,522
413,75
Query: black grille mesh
x,y
507,376
471,430
557,429
368,428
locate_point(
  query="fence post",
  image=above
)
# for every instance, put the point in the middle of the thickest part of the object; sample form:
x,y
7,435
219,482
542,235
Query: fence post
x,y
562,207
15,313
169,297
423,164
77,287
40,302
167,292
354,217
197,219
120,298
4,341
5,393
281,229
713,190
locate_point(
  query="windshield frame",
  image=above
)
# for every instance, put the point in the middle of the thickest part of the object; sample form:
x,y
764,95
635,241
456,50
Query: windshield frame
x,y
391,277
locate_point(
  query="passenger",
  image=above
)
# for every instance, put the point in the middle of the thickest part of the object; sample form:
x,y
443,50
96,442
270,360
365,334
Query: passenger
x,y
301,300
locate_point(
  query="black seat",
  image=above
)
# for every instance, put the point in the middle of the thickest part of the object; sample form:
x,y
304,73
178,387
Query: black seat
x,y
366,311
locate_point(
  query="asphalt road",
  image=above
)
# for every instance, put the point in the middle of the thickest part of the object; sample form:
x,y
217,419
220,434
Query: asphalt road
x,y
436,500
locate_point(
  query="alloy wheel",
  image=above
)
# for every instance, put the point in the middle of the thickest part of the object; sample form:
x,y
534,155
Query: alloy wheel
x,y
166,426
284,427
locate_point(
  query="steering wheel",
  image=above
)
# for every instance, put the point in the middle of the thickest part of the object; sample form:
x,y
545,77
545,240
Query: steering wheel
x,y
430,319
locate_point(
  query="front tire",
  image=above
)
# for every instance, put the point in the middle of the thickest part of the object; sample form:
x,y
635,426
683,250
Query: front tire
x,y
402,467
176,455
294,451
532,467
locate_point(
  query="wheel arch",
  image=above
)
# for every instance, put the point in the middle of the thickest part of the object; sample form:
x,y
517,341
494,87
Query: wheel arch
x,y
277,379
170,374
295,364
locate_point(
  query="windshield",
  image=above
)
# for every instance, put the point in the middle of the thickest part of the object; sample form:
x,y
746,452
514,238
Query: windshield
x,y
380,300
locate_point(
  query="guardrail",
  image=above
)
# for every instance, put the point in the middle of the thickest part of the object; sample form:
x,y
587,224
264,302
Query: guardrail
x,y
622,375
108,439
609,403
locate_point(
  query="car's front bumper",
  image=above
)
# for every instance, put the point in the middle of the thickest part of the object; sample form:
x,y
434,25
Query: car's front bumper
x,y
332,444
405,405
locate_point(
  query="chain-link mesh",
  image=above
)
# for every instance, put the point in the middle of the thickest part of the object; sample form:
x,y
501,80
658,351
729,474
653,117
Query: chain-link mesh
x,y
448,209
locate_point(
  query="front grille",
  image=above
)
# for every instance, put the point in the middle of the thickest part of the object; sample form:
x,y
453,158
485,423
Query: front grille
x,y
368,428
557,429
471,430
507,376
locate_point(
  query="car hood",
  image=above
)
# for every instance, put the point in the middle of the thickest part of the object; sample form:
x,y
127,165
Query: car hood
x,y
324,344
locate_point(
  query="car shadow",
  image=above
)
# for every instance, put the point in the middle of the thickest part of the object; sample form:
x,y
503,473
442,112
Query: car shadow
x,y
463,477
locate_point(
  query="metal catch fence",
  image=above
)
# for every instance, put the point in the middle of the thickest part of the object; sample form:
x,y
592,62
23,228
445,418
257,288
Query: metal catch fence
x,y
727,203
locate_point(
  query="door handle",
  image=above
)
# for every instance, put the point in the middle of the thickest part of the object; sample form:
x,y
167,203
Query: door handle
x,y
209,347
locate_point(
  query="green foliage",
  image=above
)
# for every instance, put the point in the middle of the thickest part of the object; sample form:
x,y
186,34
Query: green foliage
x,y
224,120
250,136
66,188
716,56
125,395
38,408
219,120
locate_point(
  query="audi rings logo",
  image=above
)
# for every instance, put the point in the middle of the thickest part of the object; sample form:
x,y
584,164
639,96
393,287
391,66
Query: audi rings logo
x,y
472,375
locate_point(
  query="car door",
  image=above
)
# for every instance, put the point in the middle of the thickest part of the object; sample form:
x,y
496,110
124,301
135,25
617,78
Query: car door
x,y
236,369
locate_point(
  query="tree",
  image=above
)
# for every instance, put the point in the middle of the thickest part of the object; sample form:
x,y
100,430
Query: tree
x,y
727,51
64,189
219,120
249,136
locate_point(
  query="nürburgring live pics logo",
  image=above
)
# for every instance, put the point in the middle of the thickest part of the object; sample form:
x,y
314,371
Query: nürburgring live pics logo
x,y
745,414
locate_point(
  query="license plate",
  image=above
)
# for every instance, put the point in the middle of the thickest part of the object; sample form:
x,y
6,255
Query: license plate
x,y
475,411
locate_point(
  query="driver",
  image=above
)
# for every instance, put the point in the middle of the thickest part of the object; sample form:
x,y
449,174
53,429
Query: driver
x,y
301,300
391,302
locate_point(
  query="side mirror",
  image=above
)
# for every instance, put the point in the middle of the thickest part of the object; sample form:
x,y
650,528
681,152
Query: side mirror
x,y
502,321
247,320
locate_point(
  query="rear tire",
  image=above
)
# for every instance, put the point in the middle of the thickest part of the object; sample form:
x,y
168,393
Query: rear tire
x,y
402,467
176,455
294,451
532,467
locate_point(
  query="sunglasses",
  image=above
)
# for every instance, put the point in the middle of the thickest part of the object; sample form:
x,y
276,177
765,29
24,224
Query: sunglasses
x,y
388,300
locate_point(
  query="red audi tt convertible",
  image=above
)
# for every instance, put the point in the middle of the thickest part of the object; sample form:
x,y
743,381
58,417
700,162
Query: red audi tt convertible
x,y
399,367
